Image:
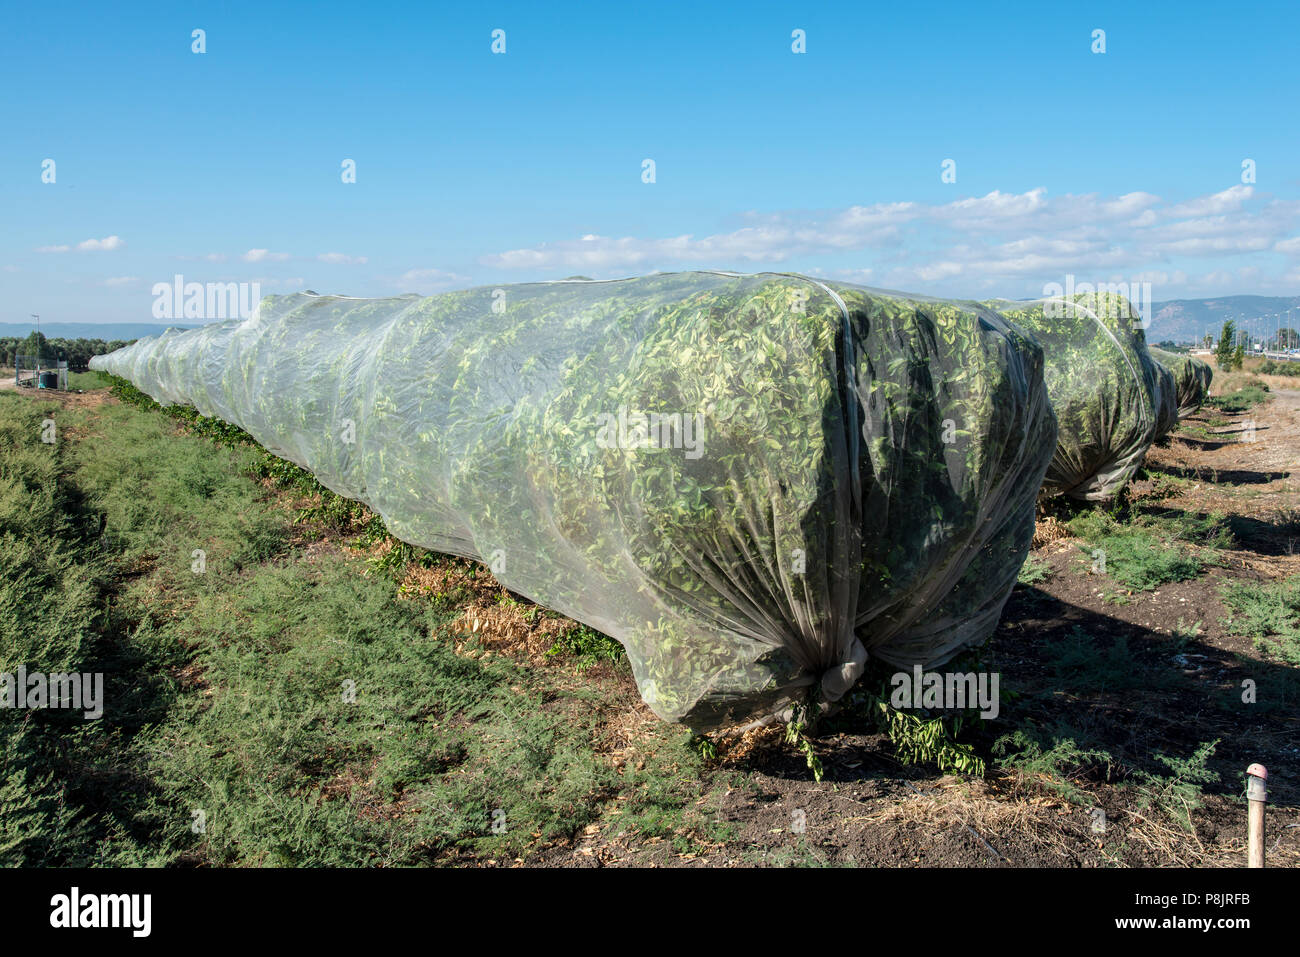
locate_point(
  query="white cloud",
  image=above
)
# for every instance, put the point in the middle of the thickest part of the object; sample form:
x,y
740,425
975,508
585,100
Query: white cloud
x,y
121,280
969,243
107,244
1211,245
939,270
208,257
429,280
996,205
1218,279
264,255
341,259
1228,201
751,244
1157,277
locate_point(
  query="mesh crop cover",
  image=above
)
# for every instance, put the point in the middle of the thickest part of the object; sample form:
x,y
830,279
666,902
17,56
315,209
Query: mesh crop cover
x,y
1166,400
1104,386
1192,378
752,482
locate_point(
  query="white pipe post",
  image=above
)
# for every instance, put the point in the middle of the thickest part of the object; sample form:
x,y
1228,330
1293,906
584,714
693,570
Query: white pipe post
x,y
1256,793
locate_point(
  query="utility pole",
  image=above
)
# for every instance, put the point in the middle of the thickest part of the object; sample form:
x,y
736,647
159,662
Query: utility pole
x,y
38,347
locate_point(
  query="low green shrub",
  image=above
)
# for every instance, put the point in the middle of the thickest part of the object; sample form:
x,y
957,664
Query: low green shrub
x,y
1268,613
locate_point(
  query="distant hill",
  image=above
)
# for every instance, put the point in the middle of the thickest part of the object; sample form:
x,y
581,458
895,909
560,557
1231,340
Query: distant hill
x,y
108,331
1184,320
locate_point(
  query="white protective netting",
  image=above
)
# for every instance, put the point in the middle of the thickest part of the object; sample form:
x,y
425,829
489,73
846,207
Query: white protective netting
x,y
752,482
1111,398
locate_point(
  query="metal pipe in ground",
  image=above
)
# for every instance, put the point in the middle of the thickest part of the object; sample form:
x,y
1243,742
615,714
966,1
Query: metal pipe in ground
x,y
1256,795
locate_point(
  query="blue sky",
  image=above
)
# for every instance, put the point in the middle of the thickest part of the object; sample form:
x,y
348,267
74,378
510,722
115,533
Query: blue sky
x,y
477,168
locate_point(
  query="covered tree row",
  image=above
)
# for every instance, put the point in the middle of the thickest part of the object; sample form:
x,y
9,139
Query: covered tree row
x,y
1192,378
1111,397
754,483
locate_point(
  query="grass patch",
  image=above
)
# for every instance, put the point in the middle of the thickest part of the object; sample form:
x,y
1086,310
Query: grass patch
x,y
1056,764
262,707
86,381
1178,794
588,646
73,792
1146,551
1199,433
662,799
1081,662
1240,393
1164,485
340,728
1277,367
1033,571
1268,613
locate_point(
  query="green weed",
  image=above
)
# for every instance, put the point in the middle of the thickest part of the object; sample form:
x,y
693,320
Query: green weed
x,y
1178,795
1033,571
1056,763
1082,663
1268,613
1250,393
1148,551
588,646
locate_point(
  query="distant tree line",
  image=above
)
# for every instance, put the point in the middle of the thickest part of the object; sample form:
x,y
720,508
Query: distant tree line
x,y
76,352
